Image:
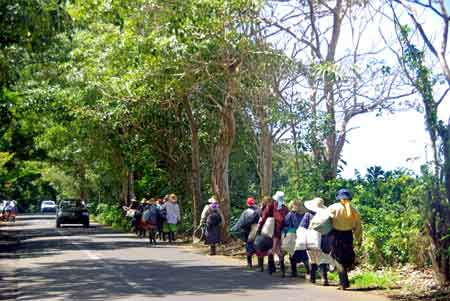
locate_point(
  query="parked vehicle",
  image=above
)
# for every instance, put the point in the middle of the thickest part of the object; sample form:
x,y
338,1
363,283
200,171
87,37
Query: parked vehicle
x,y
48,206
72,212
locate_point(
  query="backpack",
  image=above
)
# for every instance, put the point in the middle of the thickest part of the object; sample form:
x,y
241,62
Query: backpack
x,y
162,214
214,219
252,219
151,215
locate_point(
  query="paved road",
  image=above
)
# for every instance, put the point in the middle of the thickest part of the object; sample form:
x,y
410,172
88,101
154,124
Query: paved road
x,y
100,264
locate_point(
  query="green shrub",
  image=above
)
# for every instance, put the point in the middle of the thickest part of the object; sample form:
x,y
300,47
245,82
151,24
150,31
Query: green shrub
x,y
367,279
389,203
111,215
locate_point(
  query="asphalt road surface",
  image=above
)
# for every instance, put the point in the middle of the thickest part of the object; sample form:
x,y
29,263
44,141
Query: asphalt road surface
x,y
74,263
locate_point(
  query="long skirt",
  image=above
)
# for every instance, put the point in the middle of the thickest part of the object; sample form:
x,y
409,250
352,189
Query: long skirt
x,y
299,256
212,235
342,248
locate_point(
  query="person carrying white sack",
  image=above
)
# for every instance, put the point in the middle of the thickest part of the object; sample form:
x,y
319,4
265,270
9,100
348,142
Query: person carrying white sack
x,y
318,258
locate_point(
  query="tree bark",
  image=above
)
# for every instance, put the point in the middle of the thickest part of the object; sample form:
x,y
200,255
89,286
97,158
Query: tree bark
x,y
266,160
130,194
124,193
265,145
220,164
296,153
83,183
446,148
195,179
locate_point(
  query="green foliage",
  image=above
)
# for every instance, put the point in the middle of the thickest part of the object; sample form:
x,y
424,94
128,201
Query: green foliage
x,y
378,279
109,214
390,205
96,90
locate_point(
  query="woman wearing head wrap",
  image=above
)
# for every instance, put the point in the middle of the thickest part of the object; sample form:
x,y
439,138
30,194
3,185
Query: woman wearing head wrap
x,y
346,224
278,211
212,220
248,218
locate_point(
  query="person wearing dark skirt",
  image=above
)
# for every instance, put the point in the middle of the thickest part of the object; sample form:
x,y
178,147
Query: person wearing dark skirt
x,y
291,223
212,220
346,226
248,219
265,201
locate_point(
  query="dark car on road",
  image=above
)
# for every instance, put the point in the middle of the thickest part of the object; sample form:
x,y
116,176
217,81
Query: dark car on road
x,y
72,212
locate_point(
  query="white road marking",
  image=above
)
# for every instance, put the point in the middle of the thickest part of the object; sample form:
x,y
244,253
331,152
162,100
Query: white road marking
x,y
133,285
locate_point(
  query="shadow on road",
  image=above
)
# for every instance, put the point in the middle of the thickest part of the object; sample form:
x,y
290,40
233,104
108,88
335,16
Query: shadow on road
x,y
47,240
82,280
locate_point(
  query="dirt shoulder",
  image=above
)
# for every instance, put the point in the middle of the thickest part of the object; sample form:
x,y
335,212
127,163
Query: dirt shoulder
x,y
408,283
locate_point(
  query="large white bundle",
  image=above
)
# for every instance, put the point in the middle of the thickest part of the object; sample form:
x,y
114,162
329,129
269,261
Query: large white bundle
x,y
300,242
252,234
288,243
269,227
313,239
321,222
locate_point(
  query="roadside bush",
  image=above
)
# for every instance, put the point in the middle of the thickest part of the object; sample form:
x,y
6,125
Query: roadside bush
x,y
111,215
389,203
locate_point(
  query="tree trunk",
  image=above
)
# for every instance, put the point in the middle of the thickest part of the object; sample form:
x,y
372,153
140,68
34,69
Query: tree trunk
x,y
130,195
446,140
124,193
296,154
265,149
195,179
266,142
83,183
220,166
331,164
439,211
330,168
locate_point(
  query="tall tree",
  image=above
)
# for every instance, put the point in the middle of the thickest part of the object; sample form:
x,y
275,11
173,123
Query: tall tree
x,y
342,79
414,62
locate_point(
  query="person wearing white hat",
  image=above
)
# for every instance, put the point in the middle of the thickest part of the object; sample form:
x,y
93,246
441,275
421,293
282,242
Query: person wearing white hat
x,y
317,258
278,211
212,220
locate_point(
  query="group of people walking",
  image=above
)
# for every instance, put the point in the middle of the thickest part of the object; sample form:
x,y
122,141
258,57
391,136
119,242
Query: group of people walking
x,y
308,232
157,216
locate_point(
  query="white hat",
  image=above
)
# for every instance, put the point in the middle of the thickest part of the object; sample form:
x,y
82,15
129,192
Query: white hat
x,y
315,205
279,195
212,200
